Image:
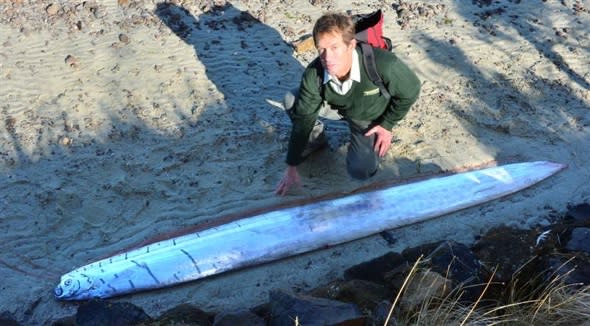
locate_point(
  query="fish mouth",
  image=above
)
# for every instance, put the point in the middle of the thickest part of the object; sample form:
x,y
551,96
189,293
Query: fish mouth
x,y
58,291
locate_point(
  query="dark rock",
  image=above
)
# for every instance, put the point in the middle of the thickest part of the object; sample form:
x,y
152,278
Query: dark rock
x,y
124,38
579,241
364,294
71,61
287,308
66,321
262,310
571,269
458,263
184,314
505,249
99,313
394,279
375,269
240,317
580,212
380,313
6,318
412,254
423,286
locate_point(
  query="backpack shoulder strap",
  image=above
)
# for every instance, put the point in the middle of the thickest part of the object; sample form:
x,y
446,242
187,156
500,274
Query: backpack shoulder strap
x,y
320,77
371,68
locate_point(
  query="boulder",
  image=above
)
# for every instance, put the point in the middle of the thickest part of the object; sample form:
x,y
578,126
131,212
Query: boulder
x,y
184,314
365,294
376,269
505,249
100,312
238,317
289,309
579,241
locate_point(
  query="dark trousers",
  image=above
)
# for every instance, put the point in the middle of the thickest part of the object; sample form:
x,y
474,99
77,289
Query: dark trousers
x,y
361,159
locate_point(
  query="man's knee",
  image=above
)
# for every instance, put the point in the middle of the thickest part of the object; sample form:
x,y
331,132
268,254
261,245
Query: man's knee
x,y
362,169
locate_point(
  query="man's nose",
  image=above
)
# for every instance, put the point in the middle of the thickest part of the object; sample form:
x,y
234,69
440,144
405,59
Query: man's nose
x,y
327,55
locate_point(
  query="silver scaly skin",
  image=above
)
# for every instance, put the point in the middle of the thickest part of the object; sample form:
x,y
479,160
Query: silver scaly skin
x,y
286,232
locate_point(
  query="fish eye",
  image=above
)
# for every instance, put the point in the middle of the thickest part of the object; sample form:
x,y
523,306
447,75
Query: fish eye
x,y
68,282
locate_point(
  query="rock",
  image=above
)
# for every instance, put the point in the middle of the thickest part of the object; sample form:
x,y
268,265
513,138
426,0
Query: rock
x,y
123,3
580,213
506,249
458,263
424,286
381,312
65,321
52,9
375,269
412,254
364,294
99,313
66,141
239,317
571,269
288,309
124,38
182,315
7,319
580,240
304,45
71,61
455,260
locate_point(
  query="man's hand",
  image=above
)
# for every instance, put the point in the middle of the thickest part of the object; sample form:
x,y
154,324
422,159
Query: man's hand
x,y
383,139
290,178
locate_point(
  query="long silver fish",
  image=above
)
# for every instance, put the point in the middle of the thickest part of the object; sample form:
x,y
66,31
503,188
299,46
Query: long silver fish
x,y
290,231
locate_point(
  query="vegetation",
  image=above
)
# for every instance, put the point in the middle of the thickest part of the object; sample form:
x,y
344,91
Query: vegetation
x,y
525,300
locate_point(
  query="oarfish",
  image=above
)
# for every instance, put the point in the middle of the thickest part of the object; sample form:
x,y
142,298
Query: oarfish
x,y
285,232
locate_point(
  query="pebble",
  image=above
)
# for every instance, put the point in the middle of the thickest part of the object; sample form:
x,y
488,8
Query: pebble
x,y
71,61
66,141
124,38
52,9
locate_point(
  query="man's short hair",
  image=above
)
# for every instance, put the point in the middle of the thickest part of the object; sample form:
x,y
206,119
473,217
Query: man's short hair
x,y
334,23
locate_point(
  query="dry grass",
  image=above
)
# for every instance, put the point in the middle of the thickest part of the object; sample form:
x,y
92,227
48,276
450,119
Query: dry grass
x,y
523,301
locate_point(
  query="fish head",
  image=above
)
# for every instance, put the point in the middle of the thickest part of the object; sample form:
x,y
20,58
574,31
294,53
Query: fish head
x,y
75,287
68,288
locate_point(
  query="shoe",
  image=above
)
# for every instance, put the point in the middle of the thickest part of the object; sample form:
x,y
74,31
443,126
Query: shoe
x,y
320,142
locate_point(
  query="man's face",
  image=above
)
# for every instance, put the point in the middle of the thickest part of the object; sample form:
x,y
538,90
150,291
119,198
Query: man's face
x,y
335,55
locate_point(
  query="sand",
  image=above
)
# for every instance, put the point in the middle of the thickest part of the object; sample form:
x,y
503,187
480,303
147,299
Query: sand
x,y
114,129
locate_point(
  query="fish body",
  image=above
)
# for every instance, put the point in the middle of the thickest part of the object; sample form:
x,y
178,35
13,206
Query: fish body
x,y
282,233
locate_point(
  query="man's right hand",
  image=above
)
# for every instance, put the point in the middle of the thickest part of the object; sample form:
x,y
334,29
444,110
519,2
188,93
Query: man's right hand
x,y
290,178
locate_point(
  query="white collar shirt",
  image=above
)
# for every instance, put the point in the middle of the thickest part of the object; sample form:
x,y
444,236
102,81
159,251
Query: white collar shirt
x,y
342,87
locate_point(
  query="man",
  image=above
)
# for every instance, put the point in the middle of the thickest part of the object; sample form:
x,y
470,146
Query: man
x,y
338,77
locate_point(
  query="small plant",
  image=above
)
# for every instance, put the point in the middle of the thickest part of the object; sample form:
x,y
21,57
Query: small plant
x,y
534,301
448,21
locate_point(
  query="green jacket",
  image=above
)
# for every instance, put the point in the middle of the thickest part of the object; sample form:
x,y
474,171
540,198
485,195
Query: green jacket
x,y
363,102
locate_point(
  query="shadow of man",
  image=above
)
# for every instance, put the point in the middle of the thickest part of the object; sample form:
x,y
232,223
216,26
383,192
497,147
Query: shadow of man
x,y
247,60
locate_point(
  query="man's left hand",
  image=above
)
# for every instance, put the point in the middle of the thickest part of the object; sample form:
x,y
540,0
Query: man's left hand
x,y
383,139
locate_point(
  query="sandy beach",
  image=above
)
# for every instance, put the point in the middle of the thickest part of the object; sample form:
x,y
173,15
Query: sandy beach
x,y
121,121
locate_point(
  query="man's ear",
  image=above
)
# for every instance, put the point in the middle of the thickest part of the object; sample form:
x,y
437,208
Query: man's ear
x,y
353,43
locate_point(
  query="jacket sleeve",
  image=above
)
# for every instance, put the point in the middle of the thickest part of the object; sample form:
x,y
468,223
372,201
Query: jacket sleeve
x,y
305,113
404,87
